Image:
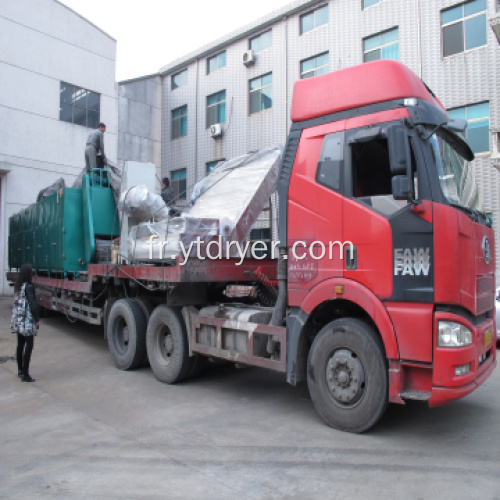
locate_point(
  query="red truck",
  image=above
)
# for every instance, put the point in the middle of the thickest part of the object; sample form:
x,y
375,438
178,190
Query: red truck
x,y
385,285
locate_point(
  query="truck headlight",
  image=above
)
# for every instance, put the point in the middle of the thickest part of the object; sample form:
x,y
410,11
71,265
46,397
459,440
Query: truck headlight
x,y
451,334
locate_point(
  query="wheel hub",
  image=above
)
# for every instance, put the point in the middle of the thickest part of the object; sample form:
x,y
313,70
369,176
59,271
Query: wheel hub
x,y
345,377
125,334
168,344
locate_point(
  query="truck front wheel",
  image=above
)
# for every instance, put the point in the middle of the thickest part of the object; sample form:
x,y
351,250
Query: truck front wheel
x,y
126,333
347,375
167,345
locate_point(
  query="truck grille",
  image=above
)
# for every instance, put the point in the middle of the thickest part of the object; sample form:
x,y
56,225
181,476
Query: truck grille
x,y
485,294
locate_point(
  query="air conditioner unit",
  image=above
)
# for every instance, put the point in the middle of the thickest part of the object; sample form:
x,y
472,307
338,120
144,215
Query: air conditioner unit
x,y
248,57
216,130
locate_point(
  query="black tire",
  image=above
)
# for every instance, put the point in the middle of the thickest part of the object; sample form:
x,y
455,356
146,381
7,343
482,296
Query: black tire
x,y
167,345
347,375
147,307
126,333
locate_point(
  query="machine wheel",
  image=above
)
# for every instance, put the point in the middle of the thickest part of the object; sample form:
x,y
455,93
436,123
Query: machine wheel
x,y
347,375
167,345
126,333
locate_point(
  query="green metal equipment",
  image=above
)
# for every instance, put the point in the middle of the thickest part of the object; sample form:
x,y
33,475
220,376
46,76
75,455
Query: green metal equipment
x,y
57,234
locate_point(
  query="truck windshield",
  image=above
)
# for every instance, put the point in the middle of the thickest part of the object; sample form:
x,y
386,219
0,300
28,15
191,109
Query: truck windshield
x,y
456,175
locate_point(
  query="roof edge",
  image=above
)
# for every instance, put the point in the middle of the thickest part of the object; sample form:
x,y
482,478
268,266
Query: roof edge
x,y
85,19
257,25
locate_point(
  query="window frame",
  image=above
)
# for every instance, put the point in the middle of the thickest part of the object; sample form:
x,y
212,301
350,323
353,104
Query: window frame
x,y
313,12
259,89
381,45
216,58
258,37
264,236
363,6
462,20
172,87
466,108
180,118
216,105
327,53
72,104
211,165
177,183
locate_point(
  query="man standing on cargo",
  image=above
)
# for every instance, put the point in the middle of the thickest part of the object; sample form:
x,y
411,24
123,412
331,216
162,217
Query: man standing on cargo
x,y
95,146
167,191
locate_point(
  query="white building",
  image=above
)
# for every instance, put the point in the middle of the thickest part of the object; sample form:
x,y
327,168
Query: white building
x,y
243,81
57,81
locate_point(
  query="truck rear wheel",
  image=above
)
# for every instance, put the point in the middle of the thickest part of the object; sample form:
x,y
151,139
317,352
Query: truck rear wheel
x,y
167,345
126,333
347,375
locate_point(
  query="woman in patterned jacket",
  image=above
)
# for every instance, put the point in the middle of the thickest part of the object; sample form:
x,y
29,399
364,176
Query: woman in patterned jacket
x,y
25,320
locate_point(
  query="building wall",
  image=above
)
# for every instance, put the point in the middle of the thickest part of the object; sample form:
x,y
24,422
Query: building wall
x,y
139,121
42,43
459,80
462,79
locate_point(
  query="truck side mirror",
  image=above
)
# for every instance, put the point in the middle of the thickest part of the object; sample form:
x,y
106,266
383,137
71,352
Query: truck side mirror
x,y
401,187
399,150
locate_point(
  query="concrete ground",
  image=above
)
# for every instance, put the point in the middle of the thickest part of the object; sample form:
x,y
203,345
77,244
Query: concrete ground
x,y
85,429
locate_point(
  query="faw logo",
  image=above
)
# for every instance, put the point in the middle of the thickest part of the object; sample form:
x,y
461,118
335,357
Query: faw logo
x,y
412,261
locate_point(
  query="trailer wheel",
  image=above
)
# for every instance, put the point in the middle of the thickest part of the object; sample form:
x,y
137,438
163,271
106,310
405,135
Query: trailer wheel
x,y
126,333
147,307
347,375
167,345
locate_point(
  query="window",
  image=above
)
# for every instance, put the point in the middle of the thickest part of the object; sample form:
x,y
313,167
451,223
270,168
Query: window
x,y
179,79
261,93
216,108
178,182
261,42
79,106
331,161
371,173
262,235
313,19
368,3
314,66
464,27
212,164
382,46
478,125
179,122
216,62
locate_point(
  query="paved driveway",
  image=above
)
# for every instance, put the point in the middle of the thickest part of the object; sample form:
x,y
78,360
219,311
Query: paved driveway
x,y
87,430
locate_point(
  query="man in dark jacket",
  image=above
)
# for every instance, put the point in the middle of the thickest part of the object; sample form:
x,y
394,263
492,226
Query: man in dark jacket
x,y
167,192
95,146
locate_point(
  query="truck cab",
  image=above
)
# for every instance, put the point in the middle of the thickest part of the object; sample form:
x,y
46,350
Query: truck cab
x,y
384,225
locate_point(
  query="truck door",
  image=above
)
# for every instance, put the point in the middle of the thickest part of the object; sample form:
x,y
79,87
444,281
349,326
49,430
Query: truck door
x,y
393,242
315,209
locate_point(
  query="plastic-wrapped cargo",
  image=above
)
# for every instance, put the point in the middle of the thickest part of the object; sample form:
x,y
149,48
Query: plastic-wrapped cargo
x,y
140,203
47,191
226,204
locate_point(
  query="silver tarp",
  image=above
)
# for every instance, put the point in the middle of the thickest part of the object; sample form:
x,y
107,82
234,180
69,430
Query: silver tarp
x,y
225,205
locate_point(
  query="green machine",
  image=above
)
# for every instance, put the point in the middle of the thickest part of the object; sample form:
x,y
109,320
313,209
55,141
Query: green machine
x,y
58,234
